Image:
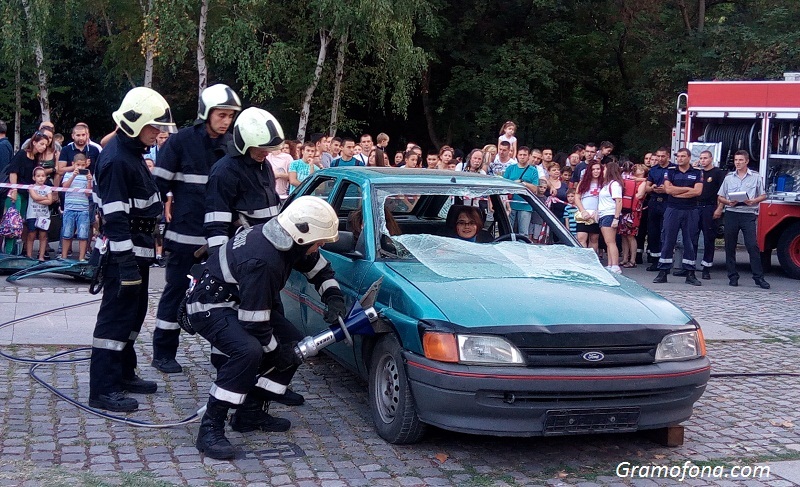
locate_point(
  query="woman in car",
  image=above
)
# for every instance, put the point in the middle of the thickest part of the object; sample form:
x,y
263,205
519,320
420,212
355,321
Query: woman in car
x,y
467,224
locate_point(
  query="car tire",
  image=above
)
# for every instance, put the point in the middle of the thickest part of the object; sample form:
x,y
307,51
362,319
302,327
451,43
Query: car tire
x,y
391,403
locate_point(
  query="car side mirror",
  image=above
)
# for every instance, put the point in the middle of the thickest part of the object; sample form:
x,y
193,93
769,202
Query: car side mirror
x,y
346,245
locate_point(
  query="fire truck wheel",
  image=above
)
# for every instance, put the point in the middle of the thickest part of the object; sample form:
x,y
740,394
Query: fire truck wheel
x,y
789,250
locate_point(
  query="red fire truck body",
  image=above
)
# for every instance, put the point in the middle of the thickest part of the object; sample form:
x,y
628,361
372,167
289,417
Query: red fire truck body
x,y
762,117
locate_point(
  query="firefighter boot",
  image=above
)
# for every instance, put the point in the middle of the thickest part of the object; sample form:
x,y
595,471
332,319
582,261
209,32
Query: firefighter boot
x,y
661,277
252,415
211,437
691,279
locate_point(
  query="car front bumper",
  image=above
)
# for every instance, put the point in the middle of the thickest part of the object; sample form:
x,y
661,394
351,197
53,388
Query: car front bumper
x,y
520,401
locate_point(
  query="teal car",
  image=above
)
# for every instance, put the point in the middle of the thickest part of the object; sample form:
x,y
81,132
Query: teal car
x,y
509,337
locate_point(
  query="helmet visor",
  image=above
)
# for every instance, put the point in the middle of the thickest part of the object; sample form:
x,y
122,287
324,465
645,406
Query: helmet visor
x,y
170,128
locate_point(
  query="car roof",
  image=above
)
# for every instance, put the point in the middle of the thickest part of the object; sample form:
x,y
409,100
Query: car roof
x,y
393,175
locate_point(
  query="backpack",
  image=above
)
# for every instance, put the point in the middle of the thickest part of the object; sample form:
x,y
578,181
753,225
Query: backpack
x,y
11,225
628,195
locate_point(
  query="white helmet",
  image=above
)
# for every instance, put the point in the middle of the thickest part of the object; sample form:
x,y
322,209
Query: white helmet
x,y
143,106
218,96
255,127
310,219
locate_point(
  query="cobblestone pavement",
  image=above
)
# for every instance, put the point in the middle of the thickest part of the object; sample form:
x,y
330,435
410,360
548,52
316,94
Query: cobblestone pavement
x,y
740,420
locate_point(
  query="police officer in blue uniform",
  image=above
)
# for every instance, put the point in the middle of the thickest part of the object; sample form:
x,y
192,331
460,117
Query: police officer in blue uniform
x,y
130,205
236,306
683,185
656,206
182,168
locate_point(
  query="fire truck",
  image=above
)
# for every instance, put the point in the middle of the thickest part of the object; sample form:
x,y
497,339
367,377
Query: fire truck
x,y
763,118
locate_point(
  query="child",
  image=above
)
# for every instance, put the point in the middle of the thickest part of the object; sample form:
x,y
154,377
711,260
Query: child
x,y
383,141
37,217
76,207
569,212
566,174
303,167
507,135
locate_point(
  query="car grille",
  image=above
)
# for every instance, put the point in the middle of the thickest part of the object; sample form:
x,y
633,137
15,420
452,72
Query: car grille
x,y
575,357
583,398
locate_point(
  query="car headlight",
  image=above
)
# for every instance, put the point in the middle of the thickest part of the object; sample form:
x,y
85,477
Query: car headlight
x,y
681,346
471,349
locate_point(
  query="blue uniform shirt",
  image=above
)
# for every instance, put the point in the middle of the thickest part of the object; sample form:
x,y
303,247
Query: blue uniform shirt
x,y
683,180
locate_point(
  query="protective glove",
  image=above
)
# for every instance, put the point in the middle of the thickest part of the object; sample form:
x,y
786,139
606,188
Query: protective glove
x,y
284,357
129,277
336,308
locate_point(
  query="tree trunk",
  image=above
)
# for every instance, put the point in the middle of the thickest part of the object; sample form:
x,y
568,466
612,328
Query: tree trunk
x,y
701,16
305,110
685,14
426,107
17,106
337,87
202,69
44,97
148,40
148,64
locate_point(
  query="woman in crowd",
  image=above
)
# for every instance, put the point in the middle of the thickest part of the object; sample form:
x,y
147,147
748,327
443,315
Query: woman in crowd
x,y
50,156
489,153
556,192
398,159
446,157
630,222
20,171
587,199
609,210
376,158
411,160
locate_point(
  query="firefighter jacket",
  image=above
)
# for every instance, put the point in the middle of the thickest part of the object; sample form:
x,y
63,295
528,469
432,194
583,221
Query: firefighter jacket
x,y
182,168
247,274
127,196
240,191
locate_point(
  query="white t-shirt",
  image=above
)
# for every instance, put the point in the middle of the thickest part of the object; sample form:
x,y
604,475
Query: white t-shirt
x,y
606,205
37,210
542,172
511,140
589,198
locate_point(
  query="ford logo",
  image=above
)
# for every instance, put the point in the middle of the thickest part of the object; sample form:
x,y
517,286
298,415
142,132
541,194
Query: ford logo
x,y
593,356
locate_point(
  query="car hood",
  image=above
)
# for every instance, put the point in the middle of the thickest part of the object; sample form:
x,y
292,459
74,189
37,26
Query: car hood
x,y
487,302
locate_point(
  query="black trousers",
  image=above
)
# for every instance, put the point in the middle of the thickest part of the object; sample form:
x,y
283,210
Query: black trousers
x,y
708,225
239,357
119,321
684,221
746,223
167,332
655,222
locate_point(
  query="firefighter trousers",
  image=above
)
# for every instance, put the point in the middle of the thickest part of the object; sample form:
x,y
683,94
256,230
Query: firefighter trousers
x,y
685,221
167,332
119,321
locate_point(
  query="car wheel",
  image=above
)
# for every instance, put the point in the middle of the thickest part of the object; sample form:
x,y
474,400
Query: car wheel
x,y
391,403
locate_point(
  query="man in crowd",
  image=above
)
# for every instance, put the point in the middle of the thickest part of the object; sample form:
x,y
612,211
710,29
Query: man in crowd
x,y
683,185
657,205
740,194
6,149
156,149
536,159
432,159
521,172
182,169
335,148
130,204
707,205
348,158
366,145
79,145
502,160
588,151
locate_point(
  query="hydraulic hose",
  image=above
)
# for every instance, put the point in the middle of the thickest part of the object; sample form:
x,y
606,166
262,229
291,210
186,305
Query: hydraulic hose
x,y
56,359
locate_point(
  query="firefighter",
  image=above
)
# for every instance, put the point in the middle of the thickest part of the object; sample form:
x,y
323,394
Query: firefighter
x,y
235,305
128,199
241,186
241,193
182,168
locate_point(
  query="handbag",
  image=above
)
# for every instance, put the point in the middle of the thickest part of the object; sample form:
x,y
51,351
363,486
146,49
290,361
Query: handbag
x,y
43,223
11,224
588,221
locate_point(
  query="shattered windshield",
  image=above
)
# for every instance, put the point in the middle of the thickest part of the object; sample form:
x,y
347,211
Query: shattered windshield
x,y
458,259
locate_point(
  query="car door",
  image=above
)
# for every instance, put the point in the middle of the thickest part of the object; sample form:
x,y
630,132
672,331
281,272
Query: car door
x,y
350,270
294,304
